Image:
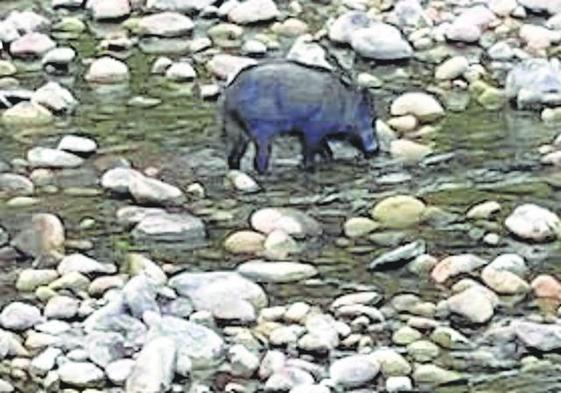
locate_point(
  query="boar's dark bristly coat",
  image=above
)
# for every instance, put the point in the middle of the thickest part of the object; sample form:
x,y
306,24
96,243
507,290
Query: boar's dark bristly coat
x,y
279,97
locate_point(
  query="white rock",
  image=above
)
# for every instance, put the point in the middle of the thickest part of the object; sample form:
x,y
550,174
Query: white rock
x,y
243,362
251,11
165,24
55,97
61,307
20,316
532,222
103,9
146,190
421,105
154,367
119,370
118,180
276,272
107,70
81,374
32,44
452,68
181,71
83,264
77,144
381,41
354,371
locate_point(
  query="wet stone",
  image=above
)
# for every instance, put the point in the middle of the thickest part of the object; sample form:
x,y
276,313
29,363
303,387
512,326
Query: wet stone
x,y
171,228
165,24
27,114
77,144
32,45
251,11
532,222
107,70
81,374
14,184
276,272
52,158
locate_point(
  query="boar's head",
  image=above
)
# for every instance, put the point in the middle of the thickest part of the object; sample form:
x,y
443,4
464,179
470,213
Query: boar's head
x,y
362,132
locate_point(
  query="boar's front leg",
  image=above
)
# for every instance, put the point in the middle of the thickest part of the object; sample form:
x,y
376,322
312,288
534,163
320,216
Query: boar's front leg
x,y
312,146
262,154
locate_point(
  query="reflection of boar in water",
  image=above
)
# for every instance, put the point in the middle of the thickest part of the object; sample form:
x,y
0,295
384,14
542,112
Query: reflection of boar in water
x,y
286,97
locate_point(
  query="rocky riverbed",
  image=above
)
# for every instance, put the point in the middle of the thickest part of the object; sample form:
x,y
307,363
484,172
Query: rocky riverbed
x,y
134,261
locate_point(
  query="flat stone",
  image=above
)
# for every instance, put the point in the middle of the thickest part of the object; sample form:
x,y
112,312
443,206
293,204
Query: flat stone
x,y
14,184
52,158
165,24
354,371
251,11
276,272
81,374
27,114
183,228
107,70
533,222
291,221
107,10
32,45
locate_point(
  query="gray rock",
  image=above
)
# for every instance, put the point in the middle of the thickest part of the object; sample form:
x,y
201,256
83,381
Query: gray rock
x,y
154,367
67,3
45,361
183,228
226,295
473,304
322,336
118,180
165,24
55,97
8,32
292,221
549,6
399,384
140,296
543,337
501,51
52,158
381,41
104,347
146,190
14,184
288,378
305,51
83,264
81,374
59,57
77,144
251,11
203,346
178,5
61,307
276,272
400,254
534,82
27,21
343,28
354,371
107,70
243,362
20,316
470,24
44,237
107,10
119,371
181,71
227,66
4,237
31,45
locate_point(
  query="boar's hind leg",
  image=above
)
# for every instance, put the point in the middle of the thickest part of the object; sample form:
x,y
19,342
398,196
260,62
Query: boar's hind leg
x,y
312,147
238,141
325,151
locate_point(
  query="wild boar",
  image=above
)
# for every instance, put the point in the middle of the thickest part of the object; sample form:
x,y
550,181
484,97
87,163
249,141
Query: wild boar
x,y
278,97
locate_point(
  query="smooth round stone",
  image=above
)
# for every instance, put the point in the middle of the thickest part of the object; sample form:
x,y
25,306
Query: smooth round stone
x,y
7,68
107,70
119,180
356,227
291,221
381,41
104,10
423,351
226,35
171,228
52,158
533,222
435,375
61,307
226,66
241,181
243,362
452,68
354,371
449,338
484,210
297,312
14,184
473,304
45,236
165,24
254,47
406,335
391,362
31,279
119,370
251,11
399,211
77,144
421,105
27,113
399,384
32,45
59,56
147,190
20,316
55,98
181,72
291,27
81,374
455,265
276,272
244,242
280,245
504,282
409,151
